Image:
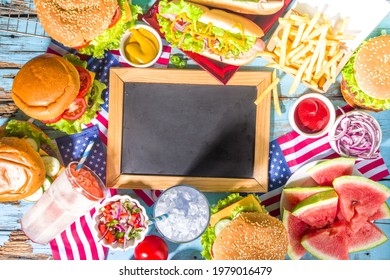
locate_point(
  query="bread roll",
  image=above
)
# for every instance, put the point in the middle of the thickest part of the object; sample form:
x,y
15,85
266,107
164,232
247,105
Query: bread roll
x,y
22,170
245,7
45,86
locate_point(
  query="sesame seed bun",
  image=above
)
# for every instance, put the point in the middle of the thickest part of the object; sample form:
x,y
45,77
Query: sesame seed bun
x,y
45,86
75,22
21,167
251,236
372,67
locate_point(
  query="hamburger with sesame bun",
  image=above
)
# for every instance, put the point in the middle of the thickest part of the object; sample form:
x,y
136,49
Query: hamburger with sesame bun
x,y
241,229
91,26
365,80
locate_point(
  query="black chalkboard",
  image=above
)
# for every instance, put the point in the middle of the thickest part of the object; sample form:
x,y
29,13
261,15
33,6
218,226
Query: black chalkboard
x,y
188,130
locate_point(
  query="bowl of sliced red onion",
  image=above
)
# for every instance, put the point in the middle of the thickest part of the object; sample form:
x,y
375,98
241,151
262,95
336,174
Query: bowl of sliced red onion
x,y
356,134
120,222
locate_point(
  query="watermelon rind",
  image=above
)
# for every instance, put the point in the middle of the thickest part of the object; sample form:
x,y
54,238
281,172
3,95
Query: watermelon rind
x,y
328,243
359,197
367,237
294,195
318,210
382,213
326,171
296,229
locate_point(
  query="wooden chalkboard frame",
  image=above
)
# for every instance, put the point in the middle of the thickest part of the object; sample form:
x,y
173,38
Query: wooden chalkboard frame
x,y
115,178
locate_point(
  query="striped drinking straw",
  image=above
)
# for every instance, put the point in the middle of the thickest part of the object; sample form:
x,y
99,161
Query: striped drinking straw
x,y
156,219
85,155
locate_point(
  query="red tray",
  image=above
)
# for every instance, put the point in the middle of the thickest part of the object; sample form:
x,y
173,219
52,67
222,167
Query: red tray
x,y
221,71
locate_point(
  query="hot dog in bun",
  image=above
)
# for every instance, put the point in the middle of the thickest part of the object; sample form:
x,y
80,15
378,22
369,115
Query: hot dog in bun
x,y
213,33
58,91
256,7
241,229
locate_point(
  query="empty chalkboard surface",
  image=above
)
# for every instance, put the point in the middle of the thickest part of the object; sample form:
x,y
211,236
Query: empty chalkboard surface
x,y
169,127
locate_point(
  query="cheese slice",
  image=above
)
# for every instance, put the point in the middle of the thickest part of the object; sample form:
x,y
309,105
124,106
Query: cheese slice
x,y
225,212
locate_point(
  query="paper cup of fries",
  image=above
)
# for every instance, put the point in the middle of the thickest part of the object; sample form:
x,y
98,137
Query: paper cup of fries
x,y
310,49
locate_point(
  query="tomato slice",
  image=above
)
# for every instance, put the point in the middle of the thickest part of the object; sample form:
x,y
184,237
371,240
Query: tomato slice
x,y
56,119
115,17
75,110
102,228
82,46
85,81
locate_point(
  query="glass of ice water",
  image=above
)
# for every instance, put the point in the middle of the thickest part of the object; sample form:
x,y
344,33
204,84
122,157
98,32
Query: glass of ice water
x,y
188,213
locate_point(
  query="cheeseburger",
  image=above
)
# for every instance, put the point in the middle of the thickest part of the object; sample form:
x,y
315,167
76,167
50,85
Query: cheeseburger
x,y
26,164
91,26
59,91
241,229
365,80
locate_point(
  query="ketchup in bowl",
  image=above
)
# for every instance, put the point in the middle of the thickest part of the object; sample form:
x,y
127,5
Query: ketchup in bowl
x,y
312,115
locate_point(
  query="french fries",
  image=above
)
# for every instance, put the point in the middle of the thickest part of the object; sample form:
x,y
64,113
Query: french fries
x,y
310,49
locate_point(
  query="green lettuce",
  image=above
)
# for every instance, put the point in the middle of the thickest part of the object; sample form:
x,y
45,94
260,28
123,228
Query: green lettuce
x,y
110,38
187,43
23,129
348,74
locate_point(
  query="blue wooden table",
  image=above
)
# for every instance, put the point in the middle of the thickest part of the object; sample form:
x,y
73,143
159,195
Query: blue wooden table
x,y
17,49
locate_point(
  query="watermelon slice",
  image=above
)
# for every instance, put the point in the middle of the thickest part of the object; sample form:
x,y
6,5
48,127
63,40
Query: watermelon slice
x,y
326,171
359,197
328,243
294,195
367,237
296,229
318,210
382,213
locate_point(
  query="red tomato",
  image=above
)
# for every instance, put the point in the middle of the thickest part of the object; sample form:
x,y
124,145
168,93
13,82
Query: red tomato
x,y
152,247
85,81
56,119
82,46
75,110
102,228
115,17
109,237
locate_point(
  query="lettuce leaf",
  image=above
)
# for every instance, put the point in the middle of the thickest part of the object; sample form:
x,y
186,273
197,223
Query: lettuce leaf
x,y
229,43
75,60
23,129
93,99
348,74
110,38
207,240
223,203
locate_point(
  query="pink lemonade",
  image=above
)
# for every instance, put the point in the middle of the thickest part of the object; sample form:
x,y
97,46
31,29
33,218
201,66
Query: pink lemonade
x,y
69,197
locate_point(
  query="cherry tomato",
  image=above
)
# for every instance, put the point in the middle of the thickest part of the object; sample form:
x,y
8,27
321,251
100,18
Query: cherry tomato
x,y
56,119
85,81
82,46
75,110
115,17
152,247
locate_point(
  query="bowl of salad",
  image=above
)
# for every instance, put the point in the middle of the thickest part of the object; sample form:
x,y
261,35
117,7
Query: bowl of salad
x,y
120,222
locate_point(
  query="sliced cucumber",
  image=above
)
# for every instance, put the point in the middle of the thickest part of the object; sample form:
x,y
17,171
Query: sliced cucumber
x,y
34,143
47,183
52,165
221,225
35,196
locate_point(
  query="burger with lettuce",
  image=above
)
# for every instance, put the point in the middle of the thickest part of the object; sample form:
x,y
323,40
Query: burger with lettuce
x,y
91,26
58,91
365,80
241,229
29,161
